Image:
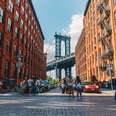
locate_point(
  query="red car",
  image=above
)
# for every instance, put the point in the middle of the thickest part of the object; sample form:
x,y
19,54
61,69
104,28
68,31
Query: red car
x,y
91,88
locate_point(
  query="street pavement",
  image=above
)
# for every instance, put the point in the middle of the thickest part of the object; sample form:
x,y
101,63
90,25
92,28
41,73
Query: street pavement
x,y
53,103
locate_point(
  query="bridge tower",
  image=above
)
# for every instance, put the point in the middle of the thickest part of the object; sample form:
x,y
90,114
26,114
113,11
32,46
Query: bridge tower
x,y
58,39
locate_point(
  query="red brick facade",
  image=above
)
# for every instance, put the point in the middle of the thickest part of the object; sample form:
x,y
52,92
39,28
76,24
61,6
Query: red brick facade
x,y
20,34
80,57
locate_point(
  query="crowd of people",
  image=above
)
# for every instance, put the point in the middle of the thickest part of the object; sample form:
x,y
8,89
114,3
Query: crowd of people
x,y
69,85
33,85
26,86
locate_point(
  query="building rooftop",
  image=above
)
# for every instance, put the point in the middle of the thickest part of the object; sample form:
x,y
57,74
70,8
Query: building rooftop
x,y
87,6
30,1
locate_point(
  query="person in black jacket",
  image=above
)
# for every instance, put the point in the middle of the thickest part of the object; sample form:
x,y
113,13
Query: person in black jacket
x,y
78,86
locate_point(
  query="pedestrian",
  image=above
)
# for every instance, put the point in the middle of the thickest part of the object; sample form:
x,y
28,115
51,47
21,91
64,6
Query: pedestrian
x,y
63,85
23,86
1,84
70,85
30,85
78,86
99,85
38,86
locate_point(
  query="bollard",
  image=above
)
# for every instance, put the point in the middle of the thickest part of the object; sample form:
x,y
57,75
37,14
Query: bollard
x,y
115,95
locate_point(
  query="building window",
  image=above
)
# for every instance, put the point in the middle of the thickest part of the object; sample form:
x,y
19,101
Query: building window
x,y
30,12
99,52
25,43
22,24
8,45
114,1
32,18
15,50
1,15
14,70
29,35
29,23
18,3
22,39
32,27
23,10
95,42
26,17
17,16
9,24
11,5
29,47
7,67
25,29
1,39
25,58
16,32
96,56
115,17
27,5
21,52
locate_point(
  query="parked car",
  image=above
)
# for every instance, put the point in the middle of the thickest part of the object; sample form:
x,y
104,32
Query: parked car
x,y
91,88
83,84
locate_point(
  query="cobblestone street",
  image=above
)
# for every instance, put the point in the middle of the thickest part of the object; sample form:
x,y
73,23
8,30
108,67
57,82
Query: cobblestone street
x,y
54,104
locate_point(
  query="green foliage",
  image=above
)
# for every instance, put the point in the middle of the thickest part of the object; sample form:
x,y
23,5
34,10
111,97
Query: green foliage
x,y
51,80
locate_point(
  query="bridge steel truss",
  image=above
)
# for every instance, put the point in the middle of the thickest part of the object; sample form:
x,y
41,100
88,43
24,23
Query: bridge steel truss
x,y
65,63
58,40
62,62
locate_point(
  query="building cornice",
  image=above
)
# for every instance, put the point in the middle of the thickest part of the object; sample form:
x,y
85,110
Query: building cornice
x,y
31,4
87,6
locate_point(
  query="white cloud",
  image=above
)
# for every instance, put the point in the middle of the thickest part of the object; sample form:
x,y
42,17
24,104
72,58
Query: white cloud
x,y
50,50
74,29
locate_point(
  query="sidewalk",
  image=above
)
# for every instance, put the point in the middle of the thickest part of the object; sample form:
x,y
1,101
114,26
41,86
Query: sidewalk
x,y
108,92
57,92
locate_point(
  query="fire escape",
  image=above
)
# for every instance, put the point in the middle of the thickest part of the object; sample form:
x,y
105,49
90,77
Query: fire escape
x,y
106,39
105,25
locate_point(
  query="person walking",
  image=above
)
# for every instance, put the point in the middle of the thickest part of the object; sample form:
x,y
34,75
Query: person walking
x,y
30,85
70,85
64,85
78,86
38,86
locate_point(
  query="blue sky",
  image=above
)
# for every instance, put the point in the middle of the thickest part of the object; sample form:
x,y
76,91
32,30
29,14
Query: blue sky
x,y
60,16
55,15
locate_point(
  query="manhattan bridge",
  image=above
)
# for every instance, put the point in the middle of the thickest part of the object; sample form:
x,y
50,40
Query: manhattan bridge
x,y
60,62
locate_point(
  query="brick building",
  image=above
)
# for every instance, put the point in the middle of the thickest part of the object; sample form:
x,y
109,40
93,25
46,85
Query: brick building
x,y
80,57
20,35
100,34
